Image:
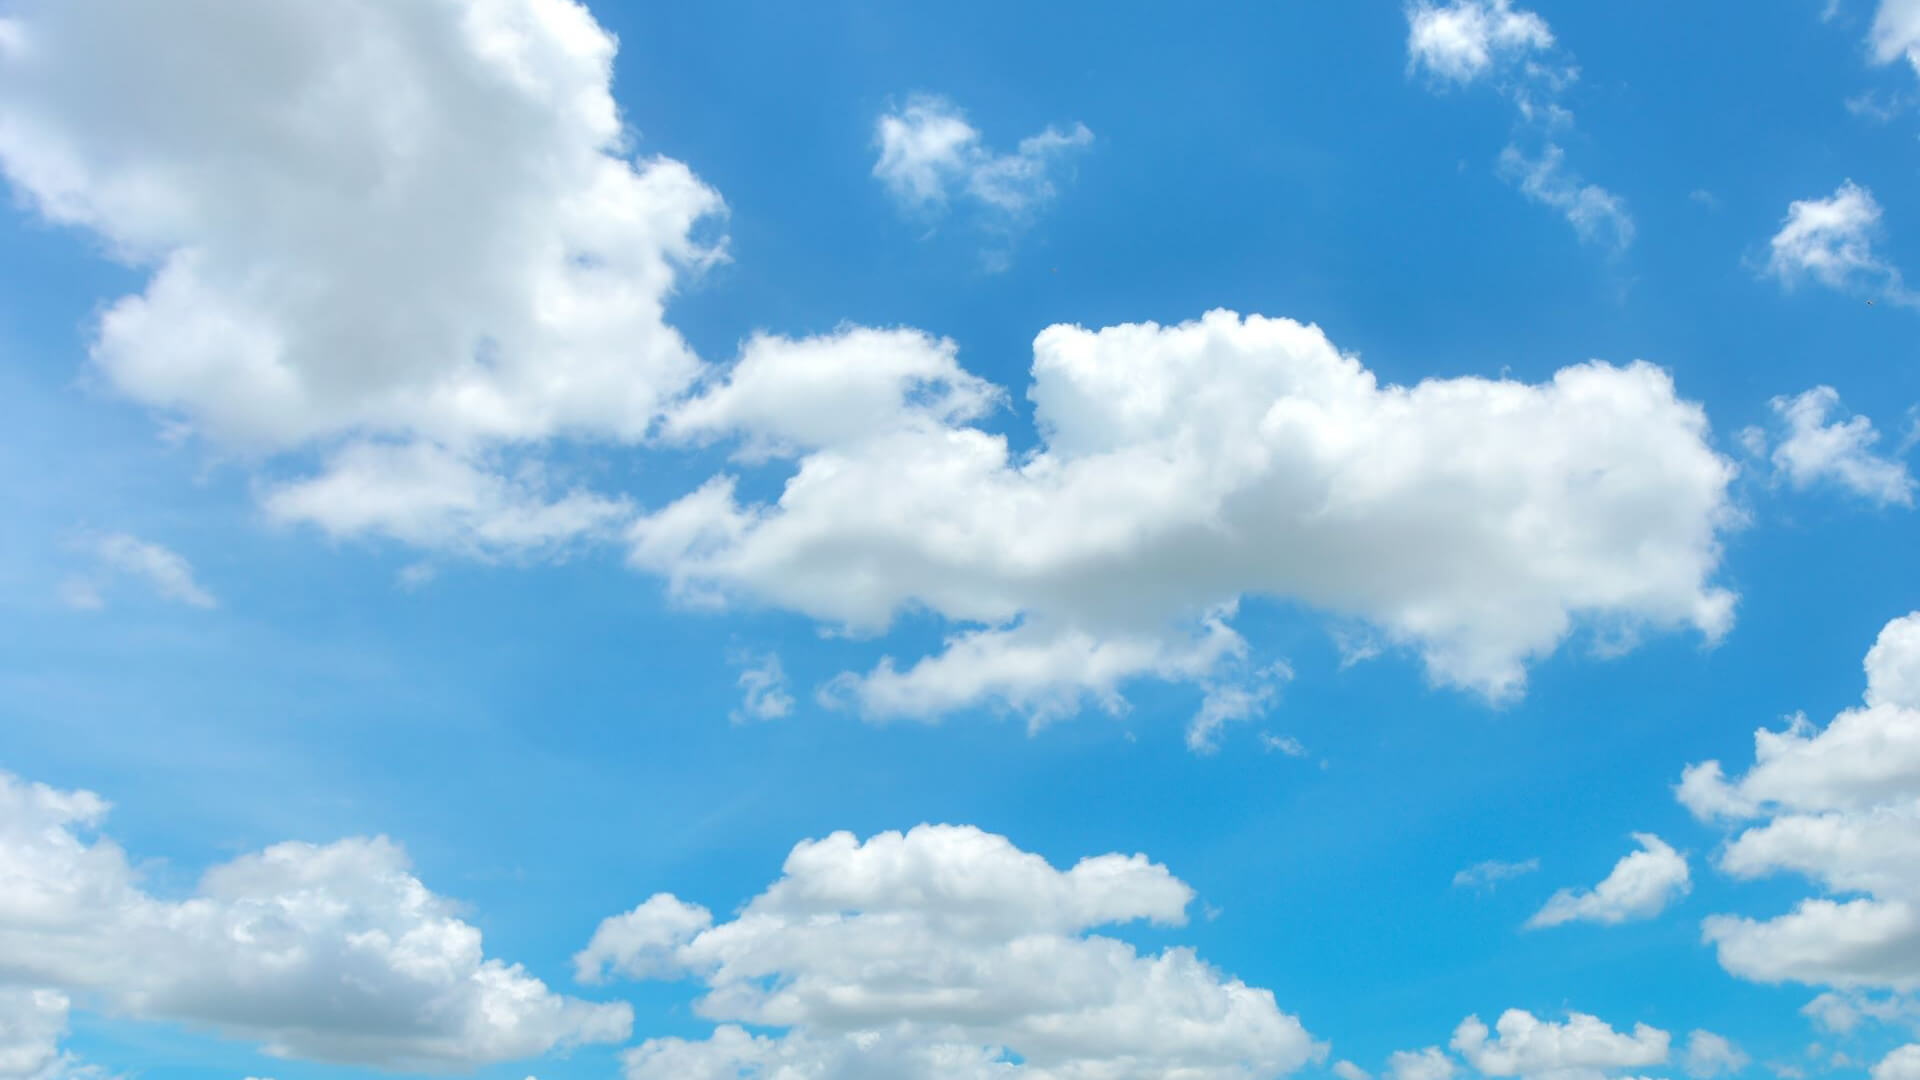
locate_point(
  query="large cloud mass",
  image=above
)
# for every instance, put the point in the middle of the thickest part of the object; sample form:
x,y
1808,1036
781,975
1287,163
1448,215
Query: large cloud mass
x,y
1183,467
335,952
1839,805
946,953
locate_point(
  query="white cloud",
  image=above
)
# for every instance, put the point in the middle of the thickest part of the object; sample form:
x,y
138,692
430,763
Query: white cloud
x,y
935,955
1830,241
1900,1064
764,683
1598,215
331,952
1486,875
425,495
1462,40
120,555
1842,1011
1429,1063
1840,453
1285,744
1639,887
31,1025
1896,32
1840,806
1582,1047
1708,1055
1347,1070
414,223
930,156
1465,41
1199,463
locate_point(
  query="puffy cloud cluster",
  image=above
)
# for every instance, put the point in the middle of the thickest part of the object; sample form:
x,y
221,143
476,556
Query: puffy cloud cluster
x,y
1830,241
1184,467
31,1025
1839,805
1582,1047
1815,452
940,954
1465,41
410,228
1639,887
333,953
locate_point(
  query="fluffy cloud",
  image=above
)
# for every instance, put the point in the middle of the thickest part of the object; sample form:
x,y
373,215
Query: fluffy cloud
x,y
1901,1064
1582,1047
1347,1070
1840,453
1896,32
1709,1055
946,953
335,952
165,571
930,156
1465,41
1843,1011
418,223
1830,241
1639,887
1430,1063
1198,463
1461,40
1840,806
31,1024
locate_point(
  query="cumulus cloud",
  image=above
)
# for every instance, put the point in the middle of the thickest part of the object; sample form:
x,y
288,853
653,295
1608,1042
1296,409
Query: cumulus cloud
x,y
1486,875
946,953
1461,40
1896,32
1640,886
120,555
1582,1047
32,1023
1814,451
1708,1055
1841,1012
1199,463
328,952
1429,1063
419,224
1830,241
1900,1064
1840,806
1347,1070
1466,41
931,157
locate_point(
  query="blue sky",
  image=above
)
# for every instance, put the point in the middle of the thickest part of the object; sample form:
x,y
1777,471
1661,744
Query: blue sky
x,y
520,512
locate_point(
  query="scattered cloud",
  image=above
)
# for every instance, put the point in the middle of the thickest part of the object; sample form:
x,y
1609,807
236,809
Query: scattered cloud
x,y
1837,805
1489,874
1429,1063
1347,1070
1830,241
940,954
329,952
122,556
764,683
1467,41
1582,1047
1841,1012
1640,886
1284,744
1900,1064
1896,32
1840,453
1708,1055
931,158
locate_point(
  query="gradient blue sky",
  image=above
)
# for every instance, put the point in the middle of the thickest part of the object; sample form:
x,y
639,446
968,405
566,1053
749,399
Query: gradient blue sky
x,y
553,734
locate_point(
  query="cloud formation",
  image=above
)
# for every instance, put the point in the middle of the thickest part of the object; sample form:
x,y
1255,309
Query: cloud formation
x,y
1200,463
941,954
1640,886
121,555
1830,241
1815,452
1838,805
329,952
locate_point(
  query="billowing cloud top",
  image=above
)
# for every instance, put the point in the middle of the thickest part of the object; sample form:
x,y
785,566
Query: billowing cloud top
x,y
947,953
